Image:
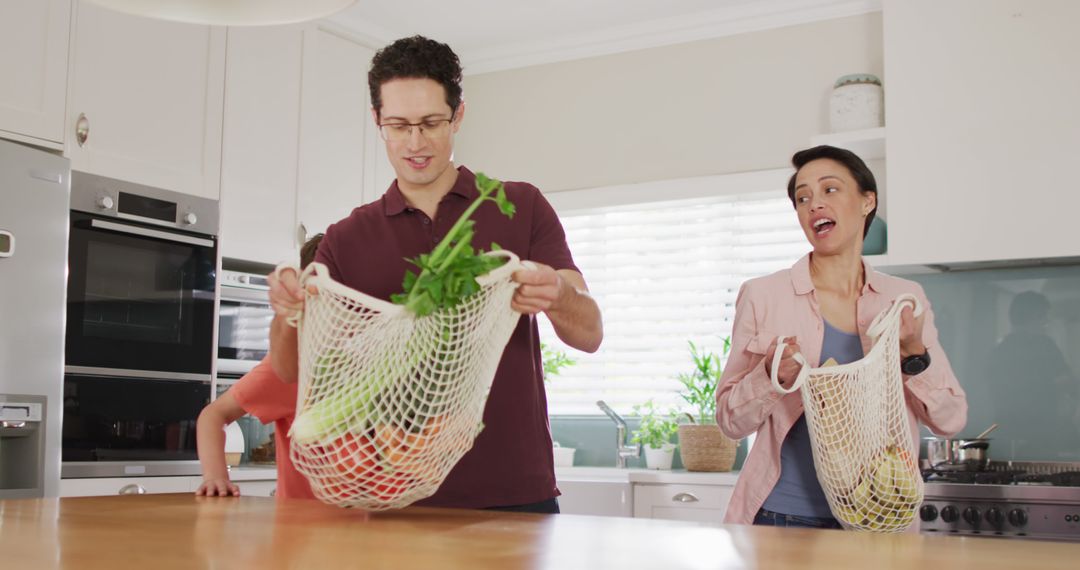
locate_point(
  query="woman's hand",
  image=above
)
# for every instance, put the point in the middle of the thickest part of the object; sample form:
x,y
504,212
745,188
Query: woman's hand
x,y
911,329
218,488
789,367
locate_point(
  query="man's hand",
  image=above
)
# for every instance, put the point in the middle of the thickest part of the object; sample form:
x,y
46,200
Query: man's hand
x,y
218,488
540,290
911,329
286,296
789,367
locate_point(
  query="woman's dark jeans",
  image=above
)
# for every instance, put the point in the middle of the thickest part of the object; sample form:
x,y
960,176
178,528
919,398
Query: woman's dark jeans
x,y
769,518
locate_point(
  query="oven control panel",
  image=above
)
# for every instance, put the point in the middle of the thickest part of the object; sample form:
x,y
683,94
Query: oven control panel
x,y
1000,518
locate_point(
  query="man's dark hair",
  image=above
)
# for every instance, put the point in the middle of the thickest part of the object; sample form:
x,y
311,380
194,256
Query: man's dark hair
x,y
855,165
416,58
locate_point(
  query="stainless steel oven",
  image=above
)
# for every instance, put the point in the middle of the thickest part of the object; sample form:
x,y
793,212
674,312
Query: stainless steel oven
x,y
243,323
139,353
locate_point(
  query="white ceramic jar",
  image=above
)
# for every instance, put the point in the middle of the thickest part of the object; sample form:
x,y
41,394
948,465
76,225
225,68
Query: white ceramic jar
x,y
857,102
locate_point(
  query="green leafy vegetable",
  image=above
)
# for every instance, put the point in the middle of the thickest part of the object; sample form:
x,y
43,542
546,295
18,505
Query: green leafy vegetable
x,y
448,274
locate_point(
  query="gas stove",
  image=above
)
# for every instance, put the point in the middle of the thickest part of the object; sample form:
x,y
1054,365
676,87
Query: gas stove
x,y
1037,500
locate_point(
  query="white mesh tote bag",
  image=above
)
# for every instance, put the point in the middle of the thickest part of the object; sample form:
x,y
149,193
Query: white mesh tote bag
x,y
389,399
861,440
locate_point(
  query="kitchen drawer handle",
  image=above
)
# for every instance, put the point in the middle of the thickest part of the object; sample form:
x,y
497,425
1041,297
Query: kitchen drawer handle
x,y
685,498
132,489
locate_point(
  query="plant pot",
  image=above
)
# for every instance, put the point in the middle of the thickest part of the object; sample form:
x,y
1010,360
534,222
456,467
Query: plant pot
x,y
706,448
660,458
564,456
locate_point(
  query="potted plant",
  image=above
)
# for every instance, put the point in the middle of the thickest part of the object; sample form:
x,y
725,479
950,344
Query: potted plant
x,y
554,361
703,446
654,433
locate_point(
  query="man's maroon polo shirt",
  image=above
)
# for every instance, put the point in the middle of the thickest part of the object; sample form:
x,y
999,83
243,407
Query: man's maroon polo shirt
x,y
511,461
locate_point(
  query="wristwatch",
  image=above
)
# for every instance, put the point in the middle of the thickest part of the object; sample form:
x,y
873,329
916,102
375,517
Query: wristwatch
x,y
915,364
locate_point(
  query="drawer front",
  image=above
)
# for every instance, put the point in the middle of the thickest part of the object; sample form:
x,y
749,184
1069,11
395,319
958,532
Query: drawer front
x,y
123,485
256,488
703,503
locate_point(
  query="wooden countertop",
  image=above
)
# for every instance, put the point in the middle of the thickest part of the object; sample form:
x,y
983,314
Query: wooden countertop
x,y
184,531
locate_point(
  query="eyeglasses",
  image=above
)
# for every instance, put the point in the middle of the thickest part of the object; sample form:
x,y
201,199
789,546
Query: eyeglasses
x,y
431,129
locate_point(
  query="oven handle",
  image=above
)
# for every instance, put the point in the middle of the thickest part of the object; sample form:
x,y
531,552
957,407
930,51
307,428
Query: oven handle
x,y
146,232
147,374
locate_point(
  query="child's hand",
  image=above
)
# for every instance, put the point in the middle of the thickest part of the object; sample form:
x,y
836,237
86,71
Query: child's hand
x,y
218,488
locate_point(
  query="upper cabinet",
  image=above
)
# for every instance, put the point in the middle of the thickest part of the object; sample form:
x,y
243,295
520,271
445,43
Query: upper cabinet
x,y
981,107
299,143
34,64
145,100
337,134
260,144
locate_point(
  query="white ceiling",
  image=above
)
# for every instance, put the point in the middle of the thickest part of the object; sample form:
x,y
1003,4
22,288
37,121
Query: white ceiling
x,y
490,35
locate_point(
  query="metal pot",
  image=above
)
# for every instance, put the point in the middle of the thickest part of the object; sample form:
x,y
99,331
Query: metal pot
x,y
974,452
944,452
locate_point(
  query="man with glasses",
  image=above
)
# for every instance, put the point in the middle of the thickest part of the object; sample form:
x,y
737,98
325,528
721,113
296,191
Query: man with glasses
x,y
416,102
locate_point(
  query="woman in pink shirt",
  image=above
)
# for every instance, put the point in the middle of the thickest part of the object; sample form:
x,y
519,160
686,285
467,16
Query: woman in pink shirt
x,y
824,305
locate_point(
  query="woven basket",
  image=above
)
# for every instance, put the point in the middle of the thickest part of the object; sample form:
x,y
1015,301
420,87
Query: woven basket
x,y
706,448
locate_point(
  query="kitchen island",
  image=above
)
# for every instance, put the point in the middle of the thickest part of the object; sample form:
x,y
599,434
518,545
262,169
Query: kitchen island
x,y
184,531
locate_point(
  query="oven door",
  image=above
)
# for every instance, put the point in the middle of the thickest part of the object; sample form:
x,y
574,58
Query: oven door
x,y
243,329
140,300
117,426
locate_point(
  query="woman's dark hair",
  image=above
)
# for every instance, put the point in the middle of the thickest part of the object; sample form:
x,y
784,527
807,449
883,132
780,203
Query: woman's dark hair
x,y
855,165
416,58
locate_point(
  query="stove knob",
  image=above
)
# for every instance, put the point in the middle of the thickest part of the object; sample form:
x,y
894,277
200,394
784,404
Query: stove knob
x,y
105,202
972,516
949,514
928,513
995,517
1018,517
190,218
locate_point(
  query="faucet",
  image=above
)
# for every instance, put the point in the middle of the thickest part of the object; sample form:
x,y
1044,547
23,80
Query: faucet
x,y
622,449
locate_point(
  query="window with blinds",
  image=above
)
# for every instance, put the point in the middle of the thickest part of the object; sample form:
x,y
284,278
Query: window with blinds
x,y
664,274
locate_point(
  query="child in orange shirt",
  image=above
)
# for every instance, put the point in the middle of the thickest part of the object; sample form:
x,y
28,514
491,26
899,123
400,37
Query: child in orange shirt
x,y
262,394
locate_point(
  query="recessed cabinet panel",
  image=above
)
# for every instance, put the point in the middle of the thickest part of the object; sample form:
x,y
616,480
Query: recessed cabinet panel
x,y
146,100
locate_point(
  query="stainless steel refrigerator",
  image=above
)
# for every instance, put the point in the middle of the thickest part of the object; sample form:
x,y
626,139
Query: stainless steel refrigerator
x,y
34,209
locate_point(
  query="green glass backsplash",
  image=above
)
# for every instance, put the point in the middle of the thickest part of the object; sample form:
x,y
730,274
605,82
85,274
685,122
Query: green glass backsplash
x,y
1013,338
594,440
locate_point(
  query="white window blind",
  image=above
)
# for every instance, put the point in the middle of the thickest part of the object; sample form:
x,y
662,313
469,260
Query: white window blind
x,y
664,274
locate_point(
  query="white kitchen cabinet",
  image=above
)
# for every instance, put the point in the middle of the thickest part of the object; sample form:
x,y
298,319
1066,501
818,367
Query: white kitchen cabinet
x,y
127,485
682,501
148,97
260,143
983,123
257,488
337,134
34,64
254,481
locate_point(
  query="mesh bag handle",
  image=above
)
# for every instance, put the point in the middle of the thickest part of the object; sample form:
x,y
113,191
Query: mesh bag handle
x,y
862,443
388,402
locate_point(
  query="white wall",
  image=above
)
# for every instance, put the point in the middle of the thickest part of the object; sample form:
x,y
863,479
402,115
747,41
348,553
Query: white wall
x,y
732,104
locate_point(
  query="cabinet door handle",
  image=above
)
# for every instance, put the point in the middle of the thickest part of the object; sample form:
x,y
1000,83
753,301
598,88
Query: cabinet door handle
x,y
301,234
132,489
273,492
82,129
685,498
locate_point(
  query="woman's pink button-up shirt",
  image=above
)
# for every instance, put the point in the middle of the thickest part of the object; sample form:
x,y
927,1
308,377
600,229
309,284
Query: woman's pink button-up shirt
x,y
784,303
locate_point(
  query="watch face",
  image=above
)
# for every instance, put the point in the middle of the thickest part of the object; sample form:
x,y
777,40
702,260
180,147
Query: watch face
x,y
915,364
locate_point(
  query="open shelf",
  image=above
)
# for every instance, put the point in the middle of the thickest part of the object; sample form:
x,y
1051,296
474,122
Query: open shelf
x,y
869,144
